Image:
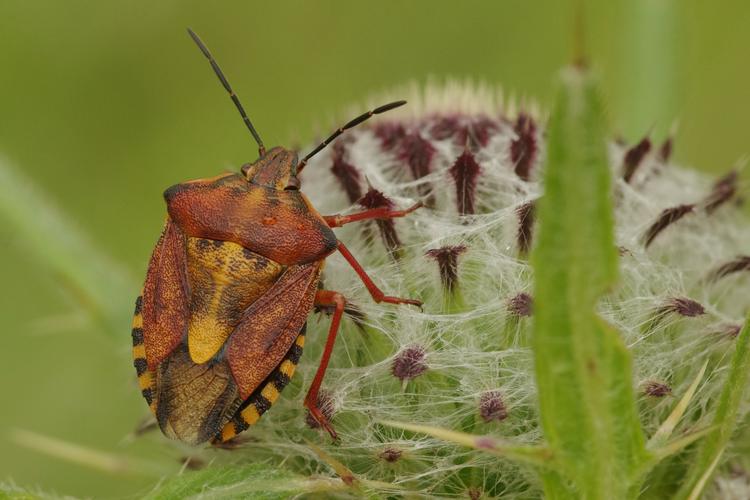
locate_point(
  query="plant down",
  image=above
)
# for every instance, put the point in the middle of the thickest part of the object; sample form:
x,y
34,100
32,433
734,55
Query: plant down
x,y
618,370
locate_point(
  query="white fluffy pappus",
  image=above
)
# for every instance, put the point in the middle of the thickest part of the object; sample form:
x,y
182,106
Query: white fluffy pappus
x,y
475,161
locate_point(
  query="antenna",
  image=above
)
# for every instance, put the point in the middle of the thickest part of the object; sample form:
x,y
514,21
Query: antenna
x,y
225,83
353,123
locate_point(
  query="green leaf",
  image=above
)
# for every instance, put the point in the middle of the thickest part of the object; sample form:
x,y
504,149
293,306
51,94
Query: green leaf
x,y
583,369
695,494
678,445
535,455
667,427
99,284
724,422
258,481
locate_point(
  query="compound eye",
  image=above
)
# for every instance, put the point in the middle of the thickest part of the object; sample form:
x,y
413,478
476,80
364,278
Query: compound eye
x,y
293,184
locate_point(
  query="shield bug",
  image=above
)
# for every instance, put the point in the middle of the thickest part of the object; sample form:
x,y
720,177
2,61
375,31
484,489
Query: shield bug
x,y
220,324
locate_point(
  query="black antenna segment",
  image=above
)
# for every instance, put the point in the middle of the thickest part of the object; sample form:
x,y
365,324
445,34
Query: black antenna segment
x,y
361,118
225,83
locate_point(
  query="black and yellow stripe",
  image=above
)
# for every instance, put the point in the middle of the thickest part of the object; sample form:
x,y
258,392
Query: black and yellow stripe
x,y
145,376
266,395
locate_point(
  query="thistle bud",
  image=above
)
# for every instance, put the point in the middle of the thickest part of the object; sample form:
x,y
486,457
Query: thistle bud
x,y
492,407
327,408
520,305
447,259
656,389
409,363
391,454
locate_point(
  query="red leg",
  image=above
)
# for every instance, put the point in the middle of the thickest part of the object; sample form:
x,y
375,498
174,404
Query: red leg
x,y
325,298
339,220
377,293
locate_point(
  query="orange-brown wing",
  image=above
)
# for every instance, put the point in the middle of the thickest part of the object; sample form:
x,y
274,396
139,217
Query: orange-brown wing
x,y
166,293
279,225
270,326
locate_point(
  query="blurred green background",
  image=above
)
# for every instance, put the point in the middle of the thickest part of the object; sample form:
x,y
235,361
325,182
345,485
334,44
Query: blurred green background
x,y
104,104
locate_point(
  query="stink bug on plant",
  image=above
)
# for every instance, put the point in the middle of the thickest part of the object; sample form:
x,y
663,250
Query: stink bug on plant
x,y
220,324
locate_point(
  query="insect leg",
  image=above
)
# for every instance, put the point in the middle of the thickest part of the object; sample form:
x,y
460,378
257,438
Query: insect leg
x,y
377,293
325,298
339,220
